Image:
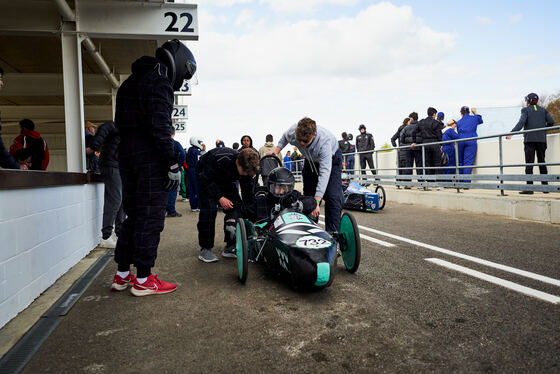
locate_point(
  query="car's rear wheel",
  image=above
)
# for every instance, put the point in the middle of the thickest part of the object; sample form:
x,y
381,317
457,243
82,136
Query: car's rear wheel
x,y
350,248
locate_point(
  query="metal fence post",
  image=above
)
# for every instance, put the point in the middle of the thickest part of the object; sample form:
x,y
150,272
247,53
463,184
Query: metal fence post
x,y
456,146
423,163
501,165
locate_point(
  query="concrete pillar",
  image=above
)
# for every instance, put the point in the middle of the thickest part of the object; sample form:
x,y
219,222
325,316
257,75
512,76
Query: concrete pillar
x,y
73,102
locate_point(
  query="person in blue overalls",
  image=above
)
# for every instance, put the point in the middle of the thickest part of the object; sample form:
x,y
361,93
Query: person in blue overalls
x,y
193,154
450,134
466,127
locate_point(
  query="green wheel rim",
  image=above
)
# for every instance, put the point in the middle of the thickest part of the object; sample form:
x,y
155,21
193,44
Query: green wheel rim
x,y
351,251
241,251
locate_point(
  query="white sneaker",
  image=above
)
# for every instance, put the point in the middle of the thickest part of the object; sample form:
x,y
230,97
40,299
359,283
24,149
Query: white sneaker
x,y
108,243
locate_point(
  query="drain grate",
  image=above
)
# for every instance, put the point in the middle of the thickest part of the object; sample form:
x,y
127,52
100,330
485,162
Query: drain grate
x,y
22,352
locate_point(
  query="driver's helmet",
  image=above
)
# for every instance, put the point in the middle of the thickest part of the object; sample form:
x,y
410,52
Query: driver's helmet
x,y
345,179
281,182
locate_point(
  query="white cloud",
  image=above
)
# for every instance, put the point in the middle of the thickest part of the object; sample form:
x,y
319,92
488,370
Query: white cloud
x,y
484,20
302,6
516,18
244,17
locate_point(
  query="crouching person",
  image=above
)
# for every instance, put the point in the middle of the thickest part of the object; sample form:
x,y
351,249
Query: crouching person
x,y
280,194
216,173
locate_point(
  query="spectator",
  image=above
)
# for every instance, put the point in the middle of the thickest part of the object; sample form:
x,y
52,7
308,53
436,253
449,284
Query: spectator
x,y
172,195
184,181
193,154
449,148
466,128
322,168
6,160
440,117
347,149
220,143
29,148
216,172
394,138
364,142
533,116
430,130
92,157
296,163
268,147
147,162
288,161
107,140
247,142
235,146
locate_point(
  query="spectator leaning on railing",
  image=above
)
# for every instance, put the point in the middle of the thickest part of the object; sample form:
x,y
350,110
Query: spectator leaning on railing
x,y
29,148
466,127
533,116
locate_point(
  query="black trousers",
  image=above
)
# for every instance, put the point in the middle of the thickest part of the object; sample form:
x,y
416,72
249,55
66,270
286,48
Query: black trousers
x,y
367,157
530,149
113,213
333,193
209,210
433,157
144,201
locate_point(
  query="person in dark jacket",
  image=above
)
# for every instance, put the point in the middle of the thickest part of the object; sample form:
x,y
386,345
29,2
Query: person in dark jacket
x,y
6,160
410,136
348,150
147,162
172,195
430,130
364,143
107,141
533,116
217,172
193,154
400,153
29,148
92,157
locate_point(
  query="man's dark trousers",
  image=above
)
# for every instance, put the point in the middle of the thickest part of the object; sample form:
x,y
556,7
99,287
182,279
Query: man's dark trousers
x,y
144,202
367,157
433,158
192,186
333,193
208,211
112,205
171,199
530,149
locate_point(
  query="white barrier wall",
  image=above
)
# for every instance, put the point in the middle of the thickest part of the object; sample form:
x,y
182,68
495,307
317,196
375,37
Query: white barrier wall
x,y
43,233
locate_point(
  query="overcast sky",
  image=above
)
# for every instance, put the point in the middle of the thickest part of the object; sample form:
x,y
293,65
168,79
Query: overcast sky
x,y
265,64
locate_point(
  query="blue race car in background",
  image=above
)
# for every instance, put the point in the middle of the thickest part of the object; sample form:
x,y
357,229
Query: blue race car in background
x,y
358,197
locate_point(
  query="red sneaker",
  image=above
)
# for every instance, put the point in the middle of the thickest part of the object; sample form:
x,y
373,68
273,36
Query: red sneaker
x,y
121,284
152,286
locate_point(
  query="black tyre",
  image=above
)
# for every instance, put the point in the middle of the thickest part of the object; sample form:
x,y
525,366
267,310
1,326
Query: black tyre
x,y
351,247
241,250
381,191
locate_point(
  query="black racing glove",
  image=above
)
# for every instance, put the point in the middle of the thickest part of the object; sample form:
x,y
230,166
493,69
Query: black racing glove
x,y
173,177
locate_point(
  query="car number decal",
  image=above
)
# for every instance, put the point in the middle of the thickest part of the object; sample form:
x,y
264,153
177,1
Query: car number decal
x,y
314,242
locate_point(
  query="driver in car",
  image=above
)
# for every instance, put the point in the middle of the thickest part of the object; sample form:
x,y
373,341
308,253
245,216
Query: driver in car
x,y
279,194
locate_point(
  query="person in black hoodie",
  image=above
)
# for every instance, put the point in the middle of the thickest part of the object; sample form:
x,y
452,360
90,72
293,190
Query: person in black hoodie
x,y
430,131
147,162
107,141
394,138
409,136
217,172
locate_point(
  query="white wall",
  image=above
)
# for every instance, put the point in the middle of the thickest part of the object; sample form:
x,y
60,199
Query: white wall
x,y
43,233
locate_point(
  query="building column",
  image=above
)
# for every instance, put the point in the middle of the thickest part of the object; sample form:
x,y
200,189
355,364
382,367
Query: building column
x,y
73,102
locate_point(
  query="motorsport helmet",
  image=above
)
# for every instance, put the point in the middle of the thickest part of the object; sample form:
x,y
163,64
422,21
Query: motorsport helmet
x,y
196,142
281,182
179,60
532,98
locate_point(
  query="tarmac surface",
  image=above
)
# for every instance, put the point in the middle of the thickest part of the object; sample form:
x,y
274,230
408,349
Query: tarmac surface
x,y
398,313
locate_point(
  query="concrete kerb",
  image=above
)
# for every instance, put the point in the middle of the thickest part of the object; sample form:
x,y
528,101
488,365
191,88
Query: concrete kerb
x,y
534,208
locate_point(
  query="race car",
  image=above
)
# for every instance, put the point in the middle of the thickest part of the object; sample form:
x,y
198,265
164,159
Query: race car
x,y
293,246
358,197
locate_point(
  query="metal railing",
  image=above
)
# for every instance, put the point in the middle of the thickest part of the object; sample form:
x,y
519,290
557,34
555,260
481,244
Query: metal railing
x,y
457,180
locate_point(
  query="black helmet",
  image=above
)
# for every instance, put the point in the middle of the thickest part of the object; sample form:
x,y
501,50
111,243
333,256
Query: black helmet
x,y
281,182
362,126
532,98
179,60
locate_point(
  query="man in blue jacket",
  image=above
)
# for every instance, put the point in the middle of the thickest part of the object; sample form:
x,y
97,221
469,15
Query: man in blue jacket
x,y
466,128
533,116
148,165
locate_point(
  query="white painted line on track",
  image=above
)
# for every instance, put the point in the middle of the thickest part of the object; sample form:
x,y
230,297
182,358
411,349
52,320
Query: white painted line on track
x,y
500,282
495,265
369,238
